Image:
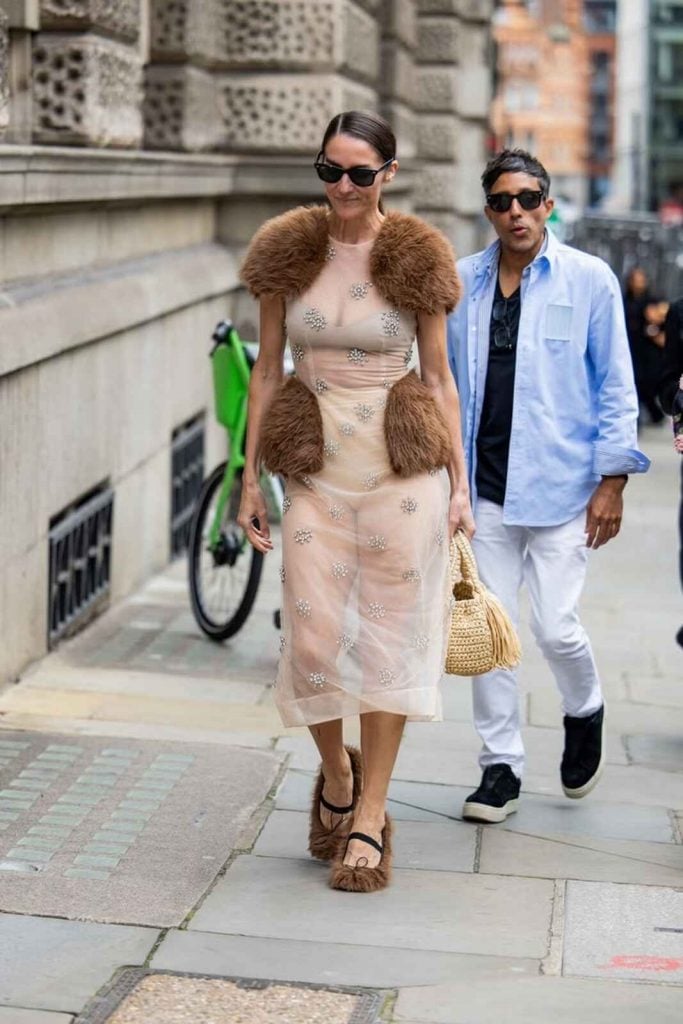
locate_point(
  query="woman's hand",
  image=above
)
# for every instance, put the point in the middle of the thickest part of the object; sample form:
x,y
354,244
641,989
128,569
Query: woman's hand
x,y
253,518
460,513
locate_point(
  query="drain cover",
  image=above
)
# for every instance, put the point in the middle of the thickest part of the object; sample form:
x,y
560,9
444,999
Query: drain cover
x,y
124,831
148,997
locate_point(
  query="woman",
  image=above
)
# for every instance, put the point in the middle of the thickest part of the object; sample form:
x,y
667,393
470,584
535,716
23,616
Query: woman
x,y
375,472
670,393
644,320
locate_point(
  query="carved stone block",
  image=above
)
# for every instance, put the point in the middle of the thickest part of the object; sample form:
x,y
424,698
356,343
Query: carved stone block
x,y
182,109
370,5
469,198
437,137
285,112
356,97
448,223
398,78
438,186
86,90
476,10
121,18
474,90
281,33
439,6
360,44
182,29
404,124
399,20
437,40
474,45
437,90
4,73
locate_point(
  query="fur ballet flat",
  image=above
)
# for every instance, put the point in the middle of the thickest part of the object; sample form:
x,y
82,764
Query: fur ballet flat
x,y
323,843
362,878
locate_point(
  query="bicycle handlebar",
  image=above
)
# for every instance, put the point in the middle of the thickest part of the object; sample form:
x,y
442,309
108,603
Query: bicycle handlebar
x,y
221,334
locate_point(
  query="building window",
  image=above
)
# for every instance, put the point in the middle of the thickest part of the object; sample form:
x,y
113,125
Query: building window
x,y
187,474
600,16
520,96
669,62
667,13
79,561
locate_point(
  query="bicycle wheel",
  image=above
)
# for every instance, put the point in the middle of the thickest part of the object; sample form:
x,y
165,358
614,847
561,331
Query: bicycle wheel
x,y
223,580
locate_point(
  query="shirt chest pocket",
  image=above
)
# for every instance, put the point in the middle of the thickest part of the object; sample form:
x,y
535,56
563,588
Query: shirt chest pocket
x,y
558,322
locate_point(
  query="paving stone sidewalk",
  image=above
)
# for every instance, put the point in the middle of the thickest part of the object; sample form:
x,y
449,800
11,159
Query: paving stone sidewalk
x,y
126,881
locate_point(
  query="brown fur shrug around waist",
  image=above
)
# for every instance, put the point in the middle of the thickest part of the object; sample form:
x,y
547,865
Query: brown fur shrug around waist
x,y
412,264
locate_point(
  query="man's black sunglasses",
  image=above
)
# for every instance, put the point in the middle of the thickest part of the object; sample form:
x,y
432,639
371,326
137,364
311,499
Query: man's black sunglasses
x,y
528,199
361,176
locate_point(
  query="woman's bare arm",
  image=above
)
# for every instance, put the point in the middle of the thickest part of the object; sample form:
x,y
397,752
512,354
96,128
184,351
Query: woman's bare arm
x,y
266,377
436,374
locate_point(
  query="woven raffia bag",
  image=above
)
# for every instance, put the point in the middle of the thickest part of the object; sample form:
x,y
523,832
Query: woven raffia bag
x,y
481,635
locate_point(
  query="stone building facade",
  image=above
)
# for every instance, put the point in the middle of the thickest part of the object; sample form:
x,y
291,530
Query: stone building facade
x,y
141,144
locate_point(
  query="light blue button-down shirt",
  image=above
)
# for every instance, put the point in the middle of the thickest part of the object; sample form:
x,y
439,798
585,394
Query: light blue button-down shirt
x,y
575,407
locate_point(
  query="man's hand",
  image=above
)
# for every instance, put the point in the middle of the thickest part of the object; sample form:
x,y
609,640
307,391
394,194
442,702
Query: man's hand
x,y
604,512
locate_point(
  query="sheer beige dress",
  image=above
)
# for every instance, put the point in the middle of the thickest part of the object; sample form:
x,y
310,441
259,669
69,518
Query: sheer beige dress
x,y
365,552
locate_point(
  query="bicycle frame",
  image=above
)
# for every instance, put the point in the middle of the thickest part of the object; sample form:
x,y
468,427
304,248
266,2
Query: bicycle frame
x,y
230,363
231,374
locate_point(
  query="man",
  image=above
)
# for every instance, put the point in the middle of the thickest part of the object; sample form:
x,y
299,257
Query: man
x,y
539,350
671,380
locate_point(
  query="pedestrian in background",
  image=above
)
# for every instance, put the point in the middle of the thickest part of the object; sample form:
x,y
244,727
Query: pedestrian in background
x,y
644,325
671,397
376,478
539,351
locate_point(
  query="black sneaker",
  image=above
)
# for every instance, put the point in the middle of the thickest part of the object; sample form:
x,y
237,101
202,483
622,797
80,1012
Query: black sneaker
x,y
496,797
583,755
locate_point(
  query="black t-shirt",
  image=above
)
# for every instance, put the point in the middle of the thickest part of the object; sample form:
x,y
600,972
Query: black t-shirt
x,y
493,438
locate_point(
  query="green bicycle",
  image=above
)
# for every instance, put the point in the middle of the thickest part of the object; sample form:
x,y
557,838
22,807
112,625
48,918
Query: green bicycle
x,y
224,570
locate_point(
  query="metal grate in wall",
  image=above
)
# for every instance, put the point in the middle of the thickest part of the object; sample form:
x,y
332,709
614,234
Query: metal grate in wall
x,y
80,562
187,475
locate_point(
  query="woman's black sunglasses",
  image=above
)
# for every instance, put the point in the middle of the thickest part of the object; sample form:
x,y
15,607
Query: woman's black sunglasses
x,y
528,199
361,176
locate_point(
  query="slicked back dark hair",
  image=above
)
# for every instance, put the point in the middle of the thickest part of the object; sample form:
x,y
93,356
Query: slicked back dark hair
x,y
364,125
514,161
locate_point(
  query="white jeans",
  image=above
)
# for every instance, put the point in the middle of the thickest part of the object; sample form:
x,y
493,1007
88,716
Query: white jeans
x,y
551,561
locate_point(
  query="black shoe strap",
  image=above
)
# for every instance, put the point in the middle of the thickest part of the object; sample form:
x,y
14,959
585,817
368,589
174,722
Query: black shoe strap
x,y
366,839
335,810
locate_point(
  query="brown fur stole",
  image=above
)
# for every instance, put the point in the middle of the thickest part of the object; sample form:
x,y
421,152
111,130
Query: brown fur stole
x,y
412,264
415,431
291,441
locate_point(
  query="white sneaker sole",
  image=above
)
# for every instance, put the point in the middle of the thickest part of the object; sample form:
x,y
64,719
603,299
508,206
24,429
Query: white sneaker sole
x,y
487,814
577,794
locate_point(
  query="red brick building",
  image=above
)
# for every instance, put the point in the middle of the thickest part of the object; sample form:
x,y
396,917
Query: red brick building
x,y
554,91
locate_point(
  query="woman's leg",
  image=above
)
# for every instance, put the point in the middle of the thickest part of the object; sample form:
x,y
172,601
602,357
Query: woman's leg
x,y
380,739
336,769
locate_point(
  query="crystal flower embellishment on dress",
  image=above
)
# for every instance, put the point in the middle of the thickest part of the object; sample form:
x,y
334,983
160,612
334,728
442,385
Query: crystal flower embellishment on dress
x,y
360,289
391,323
314,319
363,411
